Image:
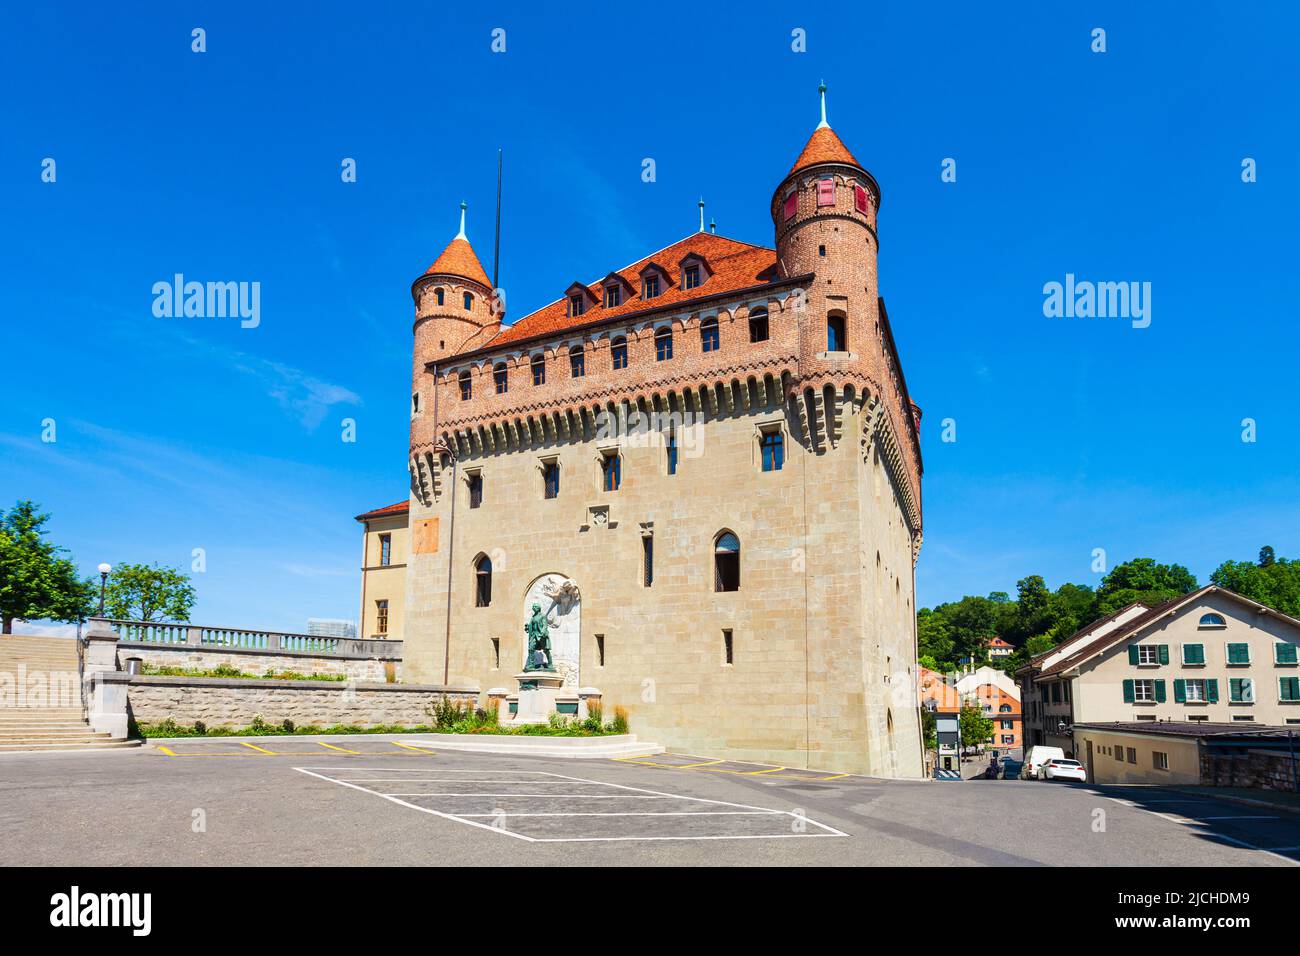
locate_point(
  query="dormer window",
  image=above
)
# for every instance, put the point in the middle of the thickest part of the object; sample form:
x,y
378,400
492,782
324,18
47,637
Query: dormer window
x,y
613,296
691,277
650,287
577,305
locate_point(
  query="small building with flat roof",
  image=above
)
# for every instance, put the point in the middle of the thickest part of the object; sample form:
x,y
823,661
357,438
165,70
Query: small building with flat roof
x,y
1183,753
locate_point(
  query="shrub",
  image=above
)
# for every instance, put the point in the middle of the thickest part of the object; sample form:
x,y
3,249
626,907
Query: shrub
x,y
619,724
200,727
259,725
287,726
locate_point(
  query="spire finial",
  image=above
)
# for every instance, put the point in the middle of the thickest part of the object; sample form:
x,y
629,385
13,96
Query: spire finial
x,y
701,214
822,90
463,206
713,225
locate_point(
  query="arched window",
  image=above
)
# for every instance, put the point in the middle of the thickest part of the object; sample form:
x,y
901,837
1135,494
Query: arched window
x,y
836,335
483,581
1004,709
726,562
538,364
758,325
501,378
466,386
663,344
439,295
577,362
1213,620
709,338
469,302
618,352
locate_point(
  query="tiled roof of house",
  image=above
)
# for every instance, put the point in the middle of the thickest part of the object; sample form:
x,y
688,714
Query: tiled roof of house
x,y
1124,631
823,147
400,508
458,259
998,642
730,267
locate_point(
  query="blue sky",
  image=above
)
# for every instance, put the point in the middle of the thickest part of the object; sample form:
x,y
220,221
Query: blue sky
x,y
1072,434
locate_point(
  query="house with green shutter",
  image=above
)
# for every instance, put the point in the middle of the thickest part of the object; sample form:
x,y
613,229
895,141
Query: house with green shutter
x,y
1208,657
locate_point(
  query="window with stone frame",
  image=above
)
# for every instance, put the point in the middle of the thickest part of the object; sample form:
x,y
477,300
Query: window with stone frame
x,y
483,581
381,617
466,384
618,352
758,325
538,365
577,362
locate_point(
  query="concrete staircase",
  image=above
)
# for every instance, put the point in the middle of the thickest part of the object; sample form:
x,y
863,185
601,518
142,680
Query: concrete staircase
x,y
55,724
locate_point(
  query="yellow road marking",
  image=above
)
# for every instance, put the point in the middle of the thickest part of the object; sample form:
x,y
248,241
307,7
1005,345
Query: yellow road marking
x,y
756,773
418,750
269,753
692,766
168,751
339,749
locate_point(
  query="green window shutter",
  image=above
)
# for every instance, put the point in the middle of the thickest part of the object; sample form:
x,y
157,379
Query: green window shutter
x,y
1128,691
1285,653
1160,692
1132,654
1180,691
1238,653
1212,690
1234,689
1290,688
1193,653
1164,653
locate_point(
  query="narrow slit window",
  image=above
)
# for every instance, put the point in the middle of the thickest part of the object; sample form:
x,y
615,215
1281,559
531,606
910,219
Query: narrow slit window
x,y
728,647
600,650
671,452
647,561
483,582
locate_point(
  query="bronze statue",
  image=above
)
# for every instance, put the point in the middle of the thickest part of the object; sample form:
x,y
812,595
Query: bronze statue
x,y
538,630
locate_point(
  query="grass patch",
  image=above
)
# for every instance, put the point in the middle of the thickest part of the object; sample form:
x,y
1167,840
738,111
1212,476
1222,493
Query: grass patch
x,y
448,717
225,670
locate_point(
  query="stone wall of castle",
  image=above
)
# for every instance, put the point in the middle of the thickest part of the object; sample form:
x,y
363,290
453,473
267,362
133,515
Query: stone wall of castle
x,y
821,627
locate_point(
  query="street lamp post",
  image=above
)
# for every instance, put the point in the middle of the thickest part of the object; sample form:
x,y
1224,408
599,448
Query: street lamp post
x,y
104,570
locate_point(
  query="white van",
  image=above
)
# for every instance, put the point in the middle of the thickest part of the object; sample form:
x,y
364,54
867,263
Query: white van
x,y
1035,758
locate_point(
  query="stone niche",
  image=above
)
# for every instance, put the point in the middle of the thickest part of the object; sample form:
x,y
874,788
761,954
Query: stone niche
x,y
562,604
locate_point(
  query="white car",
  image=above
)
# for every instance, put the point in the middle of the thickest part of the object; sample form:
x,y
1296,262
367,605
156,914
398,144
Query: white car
x,y
1059,768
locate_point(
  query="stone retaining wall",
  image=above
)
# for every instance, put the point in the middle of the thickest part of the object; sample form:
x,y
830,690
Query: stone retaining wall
x,y
252,661
224,702
1263,769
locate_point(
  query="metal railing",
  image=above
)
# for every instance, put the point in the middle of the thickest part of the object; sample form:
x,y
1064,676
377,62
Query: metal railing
x,y
241,639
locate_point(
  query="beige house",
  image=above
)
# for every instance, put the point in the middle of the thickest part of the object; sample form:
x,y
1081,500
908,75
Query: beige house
x,y
384,548
1209,657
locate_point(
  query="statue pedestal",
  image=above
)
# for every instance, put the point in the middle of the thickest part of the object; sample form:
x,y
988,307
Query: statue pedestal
x,y
537,693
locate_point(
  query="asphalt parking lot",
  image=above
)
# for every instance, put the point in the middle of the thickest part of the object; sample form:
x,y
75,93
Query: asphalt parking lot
x,y
358,801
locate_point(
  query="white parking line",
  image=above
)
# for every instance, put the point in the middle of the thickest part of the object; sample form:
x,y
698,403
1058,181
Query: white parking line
x,y
1191,822
800,827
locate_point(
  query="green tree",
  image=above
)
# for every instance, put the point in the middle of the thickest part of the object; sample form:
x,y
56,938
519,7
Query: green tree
x,y
1266,556
934,639
1276,584
975,727
929,729
1143,580
141,592
36,582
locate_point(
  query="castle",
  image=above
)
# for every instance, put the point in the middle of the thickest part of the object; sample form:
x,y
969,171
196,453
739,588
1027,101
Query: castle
x,y
710,457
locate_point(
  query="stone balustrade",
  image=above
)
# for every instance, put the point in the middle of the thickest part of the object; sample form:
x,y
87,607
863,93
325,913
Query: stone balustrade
x,y
148,633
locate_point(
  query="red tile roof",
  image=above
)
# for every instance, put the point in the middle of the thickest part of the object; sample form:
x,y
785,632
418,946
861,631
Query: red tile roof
x,y
823,147
733,266
400,508
998,642
458,259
